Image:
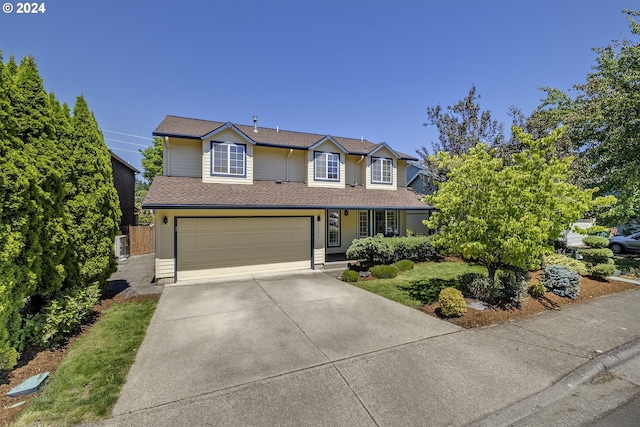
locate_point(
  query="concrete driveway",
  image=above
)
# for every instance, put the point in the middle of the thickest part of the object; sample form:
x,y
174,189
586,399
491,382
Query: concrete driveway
x,y
240,351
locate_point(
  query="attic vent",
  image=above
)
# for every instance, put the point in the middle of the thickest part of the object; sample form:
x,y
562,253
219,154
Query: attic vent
x,y
255,124
362,138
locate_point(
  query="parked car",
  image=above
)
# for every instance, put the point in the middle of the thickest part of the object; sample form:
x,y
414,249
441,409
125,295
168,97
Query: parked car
x,y
621,244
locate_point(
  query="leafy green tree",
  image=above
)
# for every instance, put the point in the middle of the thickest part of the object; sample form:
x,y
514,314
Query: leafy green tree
x,y
461,127
506,216
602,124
152,160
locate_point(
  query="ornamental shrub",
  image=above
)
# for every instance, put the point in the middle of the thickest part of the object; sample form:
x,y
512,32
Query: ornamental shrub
x,y
414,248
427,290
512,286
452,302
602,270
372,249
404,265
61,316
567,262
350,276
537,290
562,281
595,241
596,256
476,286
384,272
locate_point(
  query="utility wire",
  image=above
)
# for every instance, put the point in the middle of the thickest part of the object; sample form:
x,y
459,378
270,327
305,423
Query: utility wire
x,y
122,149
125,142
128,134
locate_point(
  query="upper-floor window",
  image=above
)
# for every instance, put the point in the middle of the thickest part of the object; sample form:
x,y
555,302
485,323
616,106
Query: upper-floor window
x,y
327,166
228,159
381,170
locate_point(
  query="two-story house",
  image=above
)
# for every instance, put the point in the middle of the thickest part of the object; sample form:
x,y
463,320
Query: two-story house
x,y
252,199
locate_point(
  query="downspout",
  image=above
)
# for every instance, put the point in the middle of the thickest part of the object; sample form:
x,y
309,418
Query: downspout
x,y
287,165
357,163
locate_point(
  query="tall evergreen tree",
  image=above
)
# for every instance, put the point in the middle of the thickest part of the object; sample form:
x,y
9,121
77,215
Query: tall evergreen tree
x,y
93,205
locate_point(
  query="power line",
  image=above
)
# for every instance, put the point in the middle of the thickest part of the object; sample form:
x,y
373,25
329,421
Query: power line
x,y
122,149
125,142
128,134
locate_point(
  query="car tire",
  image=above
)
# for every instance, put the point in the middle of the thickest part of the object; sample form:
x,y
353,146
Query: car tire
x,y
616,248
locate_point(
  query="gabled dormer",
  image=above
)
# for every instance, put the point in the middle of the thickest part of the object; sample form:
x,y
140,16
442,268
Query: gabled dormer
x,y
227,156
326,164
382,168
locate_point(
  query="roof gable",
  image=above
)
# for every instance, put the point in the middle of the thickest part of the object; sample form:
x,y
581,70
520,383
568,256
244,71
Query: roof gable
x,y
330,139
232,128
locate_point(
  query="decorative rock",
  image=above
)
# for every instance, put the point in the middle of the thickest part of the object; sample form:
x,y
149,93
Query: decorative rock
x,y
29,386
477,305
364,274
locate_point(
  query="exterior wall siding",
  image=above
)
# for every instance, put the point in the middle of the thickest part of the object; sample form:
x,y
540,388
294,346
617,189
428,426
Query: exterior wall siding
x,y
182,158
330,148
124,179
272,164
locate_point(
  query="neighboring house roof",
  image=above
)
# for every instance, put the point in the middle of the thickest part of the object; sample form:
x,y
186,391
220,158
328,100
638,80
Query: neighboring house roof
x,y
122,161
184,192
414,171
182,127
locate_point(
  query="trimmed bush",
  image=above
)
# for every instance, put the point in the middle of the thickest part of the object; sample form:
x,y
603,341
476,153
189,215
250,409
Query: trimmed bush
x,y
596,242
384,272
404,265
428,290
62,316
512,287
567,262
350,276
537,290
372,249
602,270
562,281
596,256
452,302
476,286
386,250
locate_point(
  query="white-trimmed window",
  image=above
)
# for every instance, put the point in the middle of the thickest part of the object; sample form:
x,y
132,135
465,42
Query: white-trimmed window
x,y
228,158
386,223
363,224
381,170
333,230
327,166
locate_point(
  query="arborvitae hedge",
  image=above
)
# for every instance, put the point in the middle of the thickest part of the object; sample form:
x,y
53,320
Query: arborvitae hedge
x,y
59,209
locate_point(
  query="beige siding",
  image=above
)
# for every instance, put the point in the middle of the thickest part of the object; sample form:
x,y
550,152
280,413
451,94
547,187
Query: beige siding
x,y
328,147
355,170
272,164
226,135
181,157
402,173
348,230
383,152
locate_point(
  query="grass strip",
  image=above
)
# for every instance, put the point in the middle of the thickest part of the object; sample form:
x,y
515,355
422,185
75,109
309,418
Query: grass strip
x,y
390,288
87,383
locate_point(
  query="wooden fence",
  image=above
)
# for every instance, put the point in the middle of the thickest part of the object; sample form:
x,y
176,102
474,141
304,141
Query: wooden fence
x,y
141,239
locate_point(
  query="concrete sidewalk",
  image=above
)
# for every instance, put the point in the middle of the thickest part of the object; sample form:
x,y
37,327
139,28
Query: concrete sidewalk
x,y
310,350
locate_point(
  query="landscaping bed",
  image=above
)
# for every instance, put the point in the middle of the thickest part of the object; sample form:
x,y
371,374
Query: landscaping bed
x,y
35,361
590,289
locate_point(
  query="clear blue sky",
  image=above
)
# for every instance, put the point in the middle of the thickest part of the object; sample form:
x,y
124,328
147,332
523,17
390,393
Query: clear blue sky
x,y
351,68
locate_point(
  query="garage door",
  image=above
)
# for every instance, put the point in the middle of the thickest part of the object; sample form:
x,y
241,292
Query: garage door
x,y
210,247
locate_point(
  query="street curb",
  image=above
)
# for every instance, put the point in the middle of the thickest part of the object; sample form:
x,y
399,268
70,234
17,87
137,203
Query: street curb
x,y
564,387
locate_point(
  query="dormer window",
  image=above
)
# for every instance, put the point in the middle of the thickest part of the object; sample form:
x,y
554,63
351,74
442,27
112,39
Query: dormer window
x,y
327,166
381,170
228,158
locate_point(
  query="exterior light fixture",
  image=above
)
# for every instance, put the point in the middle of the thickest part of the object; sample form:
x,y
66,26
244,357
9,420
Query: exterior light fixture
x,y
165,220
318,218
346,212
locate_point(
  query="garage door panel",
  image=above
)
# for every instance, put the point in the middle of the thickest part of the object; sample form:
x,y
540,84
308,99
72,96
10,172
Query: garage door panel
x,y
209,246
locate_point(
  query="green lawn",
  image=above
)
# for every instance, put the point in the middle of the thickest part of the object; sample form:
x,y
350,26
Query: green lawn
x,y
389,288
87,383
627,264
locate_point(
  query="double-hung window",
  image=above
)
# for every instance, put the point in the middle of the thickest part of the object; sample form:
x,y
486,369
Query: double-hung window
x,y
327,166
228,159
381,170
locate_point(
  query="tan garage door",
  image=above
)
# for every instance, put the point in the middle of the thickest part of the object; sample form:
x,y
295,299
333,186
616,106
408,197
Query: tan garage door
x,y
211,247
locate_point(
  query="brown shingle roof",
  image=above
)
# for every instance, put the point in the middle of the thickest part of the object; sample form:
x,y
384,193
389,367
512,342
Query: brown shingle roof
x,y
196,128
177,192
